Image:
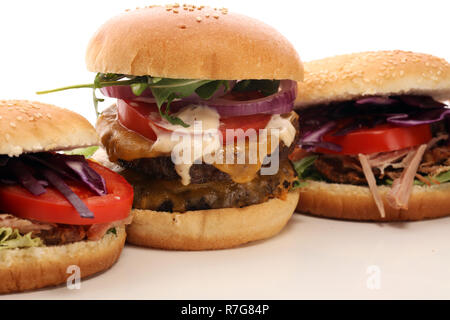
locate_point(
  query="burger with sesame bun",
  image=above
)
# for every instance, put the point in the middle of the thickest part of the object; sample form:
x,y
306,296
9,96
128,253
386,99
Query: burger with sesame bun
x,y
185,76
56,209
374,140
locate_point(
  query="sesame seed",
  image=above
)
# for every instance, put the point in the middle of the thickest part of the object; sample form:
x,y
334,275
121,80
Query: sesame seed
x,y
199,19
19,118
12,124
216,16
183,26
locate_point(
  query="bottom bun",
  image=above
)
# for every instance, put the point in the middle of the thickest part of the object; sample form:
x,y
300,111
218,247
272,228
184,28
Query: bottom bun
x,y
33,268
345,201
210,229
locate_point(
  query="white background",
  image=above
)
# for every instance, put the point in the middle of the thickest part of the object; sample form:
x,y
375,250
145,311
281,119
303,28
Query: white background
x,y
42,47
43,42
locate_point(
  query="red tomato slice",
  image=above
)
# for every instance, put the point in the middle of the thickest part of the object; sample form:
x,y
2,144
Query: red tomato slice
x,y
52,207
382,138
139,117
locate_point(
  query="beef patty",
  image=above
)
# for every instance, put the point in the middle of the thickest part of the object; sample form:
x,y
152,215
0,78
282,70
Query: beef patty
x,y
164,169
172,196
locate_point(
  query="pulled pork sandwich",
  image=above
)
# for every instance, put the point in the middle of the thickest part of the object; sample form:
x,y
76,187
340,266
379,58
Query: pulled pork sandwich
x,y
56,209
184,74
374,140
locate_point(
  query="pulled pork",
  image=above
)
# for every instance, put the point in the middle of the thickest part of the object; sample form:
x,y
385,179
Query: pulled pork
x,y
59,234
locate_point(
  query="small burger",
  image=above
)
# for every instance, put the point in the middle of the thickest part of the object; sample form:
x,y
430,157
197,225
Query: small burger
x,y
202,125
374,140
56,209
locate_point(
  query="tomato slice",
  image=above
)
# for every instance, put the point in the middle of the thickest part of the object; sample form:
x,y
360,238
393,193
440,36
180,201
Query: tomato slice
x,y
52,207
382,138
140,117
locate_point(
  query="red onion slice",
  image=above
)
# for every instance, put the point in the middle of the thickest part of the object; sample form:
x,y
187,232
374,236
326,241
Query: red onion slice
x,y
58,183
24,176
278,103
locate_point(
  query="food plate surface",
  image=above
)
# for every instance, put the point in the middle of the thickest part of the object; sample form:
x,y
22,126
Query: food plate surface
x,y
312,258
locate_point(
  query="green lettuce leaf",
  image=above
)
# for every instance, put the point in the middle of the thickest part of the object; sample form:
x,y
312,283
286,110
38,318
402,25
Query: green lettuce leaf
x,y
306,171
86,152
11,239
443,177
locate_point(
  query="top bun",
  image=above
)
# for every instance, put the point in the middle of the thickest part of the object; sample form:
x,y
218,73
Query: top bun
x,y
350,76
188,42
27,126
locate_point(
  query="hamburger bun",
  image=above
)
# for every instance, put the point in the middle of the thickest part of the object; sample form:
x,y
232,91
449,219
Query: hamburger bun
x,y
382,73
38,267
351,202
185,42
27,126
211,229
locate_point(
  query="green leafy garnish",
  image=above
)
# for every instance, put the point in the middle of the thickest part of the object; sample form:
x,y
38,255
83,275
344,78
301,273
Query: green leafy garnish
x,y
11,239
164,90
443,177
266,87
112,230
305,171
86,152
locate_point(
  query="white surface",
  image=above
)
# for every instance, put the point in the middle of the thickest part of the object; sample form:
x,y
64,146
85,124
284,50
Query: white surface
x,y
311,258
43,45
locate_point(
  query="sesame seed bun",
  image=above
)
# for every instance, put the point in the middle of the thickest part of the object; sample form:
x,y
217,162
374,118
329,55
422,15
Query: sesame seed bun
x,y
210,229
351,76
27,126
192,43
350,202
34,268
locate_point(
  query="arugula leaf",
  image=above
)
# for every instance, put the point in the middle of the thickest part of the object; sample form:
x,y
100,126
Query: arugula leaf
x,y
138,88
112,230
302,165
207,90
305,171
164,90
266,87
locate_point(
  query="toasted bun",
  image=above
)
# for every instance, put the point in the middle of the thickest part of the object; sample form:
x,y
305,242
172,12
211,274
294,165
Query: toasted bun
x,y
344,201
27,126
33,268
210,229
350,76
192,43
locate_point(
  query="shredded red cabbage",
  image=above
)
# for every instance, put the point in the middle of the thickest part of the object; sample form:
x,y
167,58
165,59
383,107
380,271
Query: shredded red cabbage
x,y
58,183
405,110
37,171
